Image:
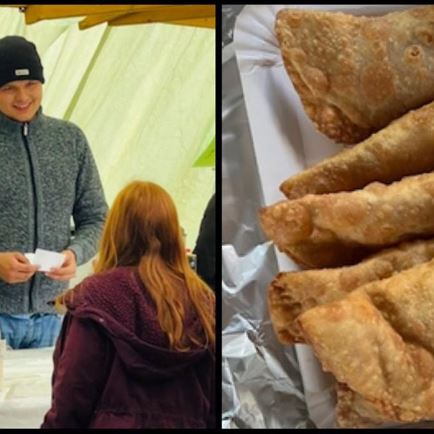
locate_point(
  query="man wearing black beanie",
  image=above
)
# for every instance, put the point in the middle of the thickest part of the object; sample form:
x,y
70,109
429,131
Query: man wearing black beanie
x,y
20,62
47,176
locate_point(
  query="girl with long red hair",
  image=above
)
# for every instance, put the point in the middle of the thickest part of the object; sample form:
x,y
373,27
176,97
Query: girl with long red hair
x,y
136,348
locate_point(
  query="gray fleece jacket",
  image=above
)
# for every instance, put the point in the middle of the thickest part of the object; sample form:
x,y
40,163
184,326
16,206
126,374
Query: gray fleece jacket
x,y
47,175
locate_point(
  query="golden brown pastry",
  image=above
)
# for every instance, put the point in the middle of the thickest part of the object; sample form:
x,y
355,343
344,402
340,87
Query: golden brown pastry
x,y
405,147
309,254
355,74
376,216
353,411
292,293
379,341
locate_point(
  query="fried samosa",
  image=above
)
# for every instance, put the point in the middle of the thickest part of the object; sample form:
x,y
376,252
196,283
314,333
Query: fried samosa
x,y
405,147
309,254
377,216
355,74
292,293
379,341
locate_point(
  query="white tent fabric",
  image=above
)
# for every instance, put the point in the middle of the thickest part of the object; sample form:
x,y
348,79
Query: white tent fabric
x,y
143,94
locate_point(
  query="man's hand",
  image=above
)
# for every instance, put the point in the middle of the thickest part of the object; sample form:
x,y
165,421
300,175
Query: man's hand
x,y
15,267
67,270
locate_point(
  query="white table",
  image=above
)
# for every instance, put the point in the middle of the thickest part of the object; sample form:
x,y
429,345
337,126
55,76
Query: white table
x,y
26,393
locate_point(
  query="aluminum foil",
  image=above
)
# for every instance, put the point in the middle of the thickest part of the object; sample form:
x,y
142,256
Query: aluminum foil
x,y
262,386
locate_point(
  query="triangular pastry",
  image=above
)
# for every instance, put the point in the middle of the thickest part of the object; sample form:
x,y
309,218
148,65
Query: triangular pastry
x,y
355,74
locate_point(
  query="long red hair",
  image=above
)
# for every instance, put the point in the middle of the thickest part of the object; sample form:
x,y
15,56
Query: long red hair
x,y
142,229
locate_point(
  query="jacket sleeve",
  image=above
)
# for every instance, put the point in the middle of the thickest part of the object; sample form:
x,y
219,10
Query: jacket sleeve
x,y
90,206
82,360
206,245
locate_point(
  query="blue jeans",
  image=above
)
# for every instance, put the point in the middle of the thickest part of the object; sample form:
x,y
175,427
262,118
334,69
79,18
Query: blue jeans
x,y
30,331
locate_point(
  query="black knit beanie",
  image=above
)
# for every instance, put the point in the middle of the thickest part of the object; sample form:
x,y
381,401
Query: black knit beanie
x,y
19,60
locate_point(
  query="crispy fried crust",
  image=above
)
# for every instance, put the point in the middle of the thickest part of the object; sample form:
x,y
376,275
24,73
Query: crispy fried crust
x,y
405,147
292,293
377,216
329,254
379,340
353,411
356,74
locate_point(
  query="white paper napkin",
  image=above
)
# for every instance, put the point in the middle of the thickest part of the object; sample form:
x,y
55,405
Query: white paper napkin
x,y
46,259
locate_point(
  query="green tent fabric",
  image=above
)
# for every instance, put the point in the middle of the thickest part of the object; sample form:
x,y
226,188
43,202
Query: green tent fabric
x,y
207,157
143,94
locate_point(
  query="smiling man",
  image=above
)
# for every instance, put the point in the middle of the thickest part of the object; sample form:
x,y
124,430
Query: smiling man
x,y
47,176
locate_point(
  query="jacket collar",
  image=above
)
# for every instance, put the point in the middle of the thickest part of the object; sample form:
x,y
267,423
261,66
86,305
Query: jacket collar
x,y
9,124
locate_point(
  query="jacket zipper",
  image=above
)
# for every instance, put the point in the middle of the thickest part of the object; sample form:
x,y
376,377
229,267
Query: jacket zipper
x,y
35,205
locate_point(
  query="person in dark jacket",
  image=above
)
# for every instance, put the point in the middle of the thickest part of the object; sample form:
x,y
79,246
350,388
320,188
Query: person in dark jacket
x,y
136,349
47,176
206,245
